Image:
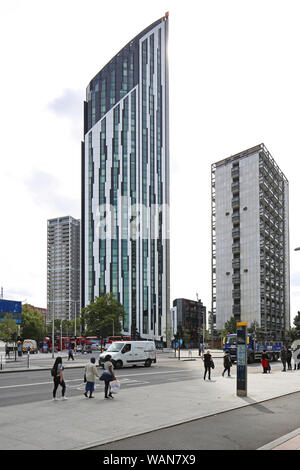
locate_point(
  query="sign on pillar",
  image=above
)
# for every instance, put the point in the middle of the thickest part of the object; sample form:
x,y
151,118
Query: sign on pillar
x,y
241,361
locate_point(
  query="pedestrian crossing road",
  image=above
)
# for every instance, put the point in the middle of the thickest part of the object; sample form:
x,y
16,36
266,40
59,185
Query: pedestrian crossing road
x,y
28,387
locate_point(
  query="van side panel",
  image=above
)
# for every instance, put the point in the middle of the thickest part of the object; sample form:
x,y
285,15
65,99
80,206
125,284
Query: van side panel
x,y
139,353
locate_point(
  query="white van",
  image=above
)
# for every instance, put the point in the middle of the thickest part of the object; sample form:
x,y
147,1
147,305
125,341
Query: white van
x,y
30,343
130,353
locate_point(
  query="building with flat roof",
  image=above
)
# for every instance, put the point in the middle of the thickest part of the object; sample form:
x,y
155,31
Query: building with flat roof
x,y
250,242
190,316
125,183
63,268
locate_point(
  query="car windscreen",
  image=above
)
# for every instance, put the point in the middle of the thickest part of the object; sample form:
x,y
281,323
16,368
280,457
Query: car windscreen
x,y
115,347
231,340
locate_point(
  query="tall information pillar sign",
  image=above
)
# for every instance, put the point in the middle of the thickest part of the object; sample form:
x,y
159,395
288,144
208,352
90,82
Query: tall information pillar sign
x,y
241,362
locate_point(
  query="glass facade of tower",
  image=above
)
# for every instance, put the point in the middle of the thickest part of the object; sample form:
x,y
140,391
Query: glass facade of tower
x,y
125,183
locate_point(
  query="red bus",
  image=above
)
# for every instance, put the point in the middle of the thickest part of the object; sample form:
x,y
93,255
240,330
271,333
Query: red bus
x,y
80,340
64,341
111,339
86,341
91,339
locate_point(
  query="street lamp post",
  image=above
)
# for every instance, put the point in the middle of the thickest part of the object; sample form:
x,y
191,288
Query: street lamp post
x,y
52,329
204,325
75,329
61,335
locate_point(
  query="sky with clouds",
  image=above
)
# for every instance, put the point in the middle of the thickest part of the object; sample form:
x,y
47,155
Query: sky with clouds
x,y
234,83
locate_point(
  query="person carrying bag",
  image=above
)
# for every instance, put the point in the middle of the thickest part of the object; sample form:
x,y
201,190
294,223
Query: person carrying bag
x,y
107,376
114,386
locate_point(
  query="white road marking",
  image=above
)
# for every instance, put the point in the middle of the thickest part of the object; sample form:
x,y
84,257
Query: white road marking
x,y
124,382
119,377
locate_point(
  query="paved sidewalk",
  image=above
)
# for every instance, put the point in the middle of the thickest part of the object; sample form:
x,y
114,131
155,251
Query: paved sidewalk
x,y
290,441
79,423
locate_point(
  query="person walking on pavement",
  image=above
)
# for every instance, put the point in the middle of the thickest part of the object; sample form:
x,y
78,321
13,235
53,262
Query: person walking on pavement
x,y
295,359
296,355
289,358
283,357
58,378
295,348
265,361
107,376
90,372
227,363
71,356
6,350
207,359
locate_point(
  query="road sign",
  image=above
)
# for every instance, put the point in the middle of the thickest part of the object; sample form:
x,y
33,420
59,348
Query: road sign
x,y
12,307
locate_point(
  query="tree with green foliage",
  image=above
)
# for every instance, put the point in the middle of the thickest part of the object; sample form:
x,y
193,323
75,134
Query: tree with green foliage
x,y
68,327
103,317
8,327
293,334
32,326
57,323
230,325
186,336
297,322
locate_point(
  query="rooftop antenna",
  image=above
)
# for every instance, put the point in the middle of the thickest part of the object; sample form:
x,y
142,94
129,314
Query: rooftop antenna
x,y
1,295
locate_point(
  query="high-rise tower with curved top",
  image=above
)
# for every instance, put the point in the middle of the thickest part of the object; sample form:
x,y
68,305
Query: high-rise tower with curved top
x,y
125,184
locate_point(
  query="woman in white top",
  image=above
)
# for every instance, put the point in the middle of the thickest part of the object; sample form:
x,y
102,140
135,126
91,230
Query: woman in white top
x,y
109,372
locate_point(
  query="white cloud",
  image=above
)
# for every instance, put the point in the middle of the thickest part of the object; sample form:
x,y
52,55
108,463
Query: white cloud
x,y
45,190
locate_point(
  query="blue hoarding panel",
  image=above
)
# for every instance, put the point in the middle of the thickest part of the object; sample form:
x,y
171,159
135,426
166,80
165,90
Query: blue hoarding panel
x,y
11,307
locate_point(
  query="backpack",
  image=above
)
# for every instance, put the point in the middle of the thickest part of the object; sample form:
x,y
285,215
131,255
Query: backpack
x,y
227,361
53,372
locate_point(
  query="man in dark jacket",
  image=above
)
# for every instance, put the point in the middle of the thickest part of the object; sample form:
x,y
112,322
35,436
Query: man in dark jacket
x,y
289,358
208,363
283,357
227,363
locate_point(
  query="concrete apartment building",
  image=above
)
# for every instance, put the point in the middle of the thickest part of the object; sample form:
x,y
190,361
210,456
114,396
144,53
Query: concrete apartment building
x,y
250,242
63,268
